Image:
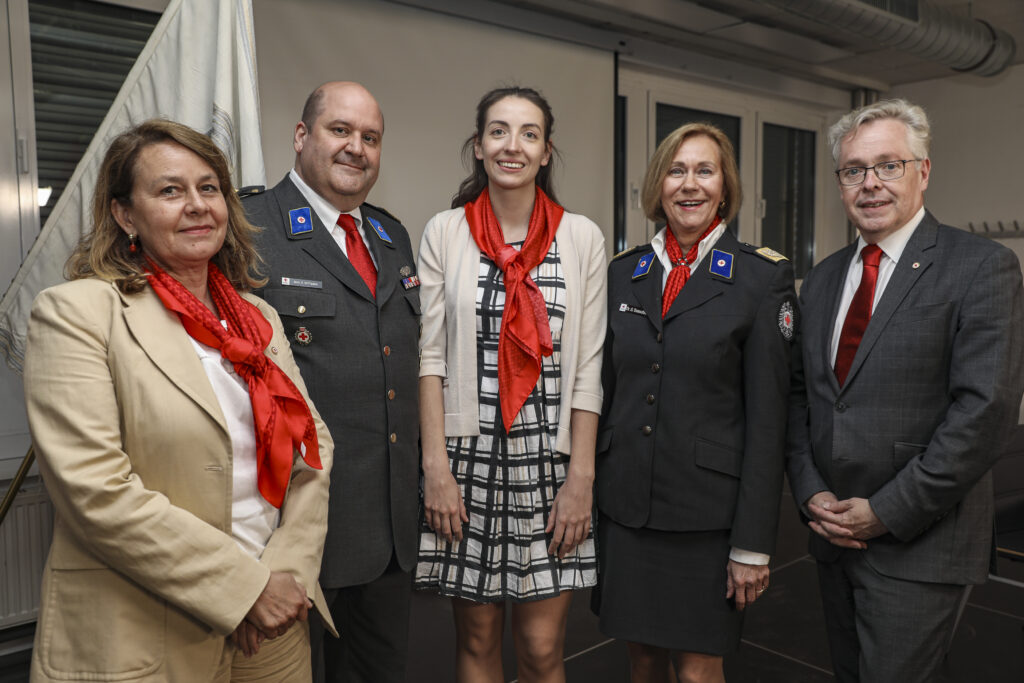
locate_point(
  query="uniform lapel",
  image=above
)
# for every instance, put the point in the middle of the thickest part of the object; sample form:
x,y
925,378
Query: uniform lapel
x,y
319,243
912,264
702,285
171,353
384,253
647,291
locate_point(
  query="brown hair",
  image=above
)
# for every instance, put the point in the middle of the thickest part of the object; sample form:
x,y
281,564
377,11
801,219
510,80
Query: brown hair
x,y
103,251
662,160
477,180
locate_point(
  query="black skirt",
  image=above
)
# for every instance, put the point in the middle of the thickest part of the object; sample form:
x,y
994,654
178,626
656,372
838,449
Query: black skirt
x,y
665,588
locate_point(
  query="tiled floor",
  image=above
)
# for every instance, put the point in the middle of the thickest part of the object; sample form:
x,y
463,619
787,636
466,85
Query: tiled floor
x,y
783,642
783,637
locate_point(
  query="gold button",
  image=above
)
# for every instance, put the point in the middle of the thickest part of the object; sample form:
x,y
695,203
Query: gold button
x,y
387,350
391,394
393,437
302,309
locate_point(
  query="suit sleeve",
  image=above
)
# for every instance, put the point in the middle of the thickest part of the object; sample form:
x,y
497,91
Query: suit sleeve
x,y
73,411
985,384
804,478
297,545
587,393
433,326
766,381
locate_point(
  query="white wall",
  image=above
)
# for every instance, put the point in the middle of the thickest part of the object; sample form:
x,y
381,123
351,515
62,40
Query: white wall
x,y
428,71
977,148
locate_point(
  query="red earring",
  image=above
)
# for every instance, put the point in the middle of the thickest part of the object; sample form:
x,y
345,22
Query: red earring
x,y
133,244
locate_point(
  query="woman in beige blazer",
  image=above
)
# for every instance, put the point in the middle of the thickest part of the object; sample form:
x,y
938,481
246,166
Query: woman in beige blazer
x,y
188,473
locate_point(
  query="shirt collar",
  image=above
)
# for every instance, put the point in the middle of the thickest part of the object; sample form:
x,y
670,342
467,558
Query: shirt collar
x,y
894,244
324,210
658,244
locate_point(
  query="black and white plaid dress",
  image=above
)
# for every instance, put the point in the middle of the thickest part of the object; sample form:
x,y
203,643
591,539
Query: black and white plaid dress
x,y
509,481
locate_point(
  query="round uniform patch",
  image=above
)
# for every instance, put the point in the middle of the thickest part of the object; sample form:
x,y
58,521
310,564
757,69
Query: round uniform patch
x,y
303,336
786,324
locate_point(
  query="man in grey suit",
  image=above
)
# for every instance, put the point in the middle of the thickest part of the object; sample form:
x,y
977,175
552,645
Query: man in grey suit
x,y
911,380
342,276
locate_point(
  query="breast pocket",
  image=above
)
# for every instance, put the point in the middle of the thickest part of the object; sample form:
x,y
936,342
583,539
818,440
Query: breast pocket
x,y
301,303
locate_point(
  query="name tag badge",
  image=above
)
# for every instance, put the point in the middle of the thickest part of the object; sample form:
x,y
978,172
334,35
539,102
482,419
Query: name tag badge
x,y
302,282
626,308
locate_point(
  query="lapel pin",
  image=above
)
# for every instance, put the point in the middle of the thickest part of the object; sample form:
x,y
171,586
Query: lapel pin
x,y
303,336
378,228
916,265
721,264
404,271
300,221
643,266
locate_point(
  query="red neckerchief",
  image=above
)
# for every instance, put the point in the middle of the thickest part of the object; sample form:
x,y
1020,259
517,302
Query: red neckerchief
x,y
282,418
680,272
525,332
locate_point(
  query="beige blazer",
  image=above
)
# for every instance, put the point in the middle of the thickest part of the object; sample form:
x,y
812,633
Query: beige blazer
x,y
143,580
449,265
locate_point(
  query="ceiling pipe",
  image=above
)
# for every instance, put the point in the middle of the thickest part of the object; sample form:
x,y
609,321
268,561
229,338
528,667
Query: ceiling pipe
x,y
940,35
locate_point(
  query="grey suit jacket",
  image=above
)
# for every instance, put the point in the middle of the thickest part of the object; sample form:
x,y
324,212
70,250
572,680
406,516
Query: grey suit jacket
x,y
359,357
929,400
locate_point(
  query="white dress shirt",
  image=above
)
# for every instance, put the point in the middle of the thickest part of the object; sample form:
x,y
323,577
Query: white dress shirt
x,y
253,519
329,215
892,249
703,249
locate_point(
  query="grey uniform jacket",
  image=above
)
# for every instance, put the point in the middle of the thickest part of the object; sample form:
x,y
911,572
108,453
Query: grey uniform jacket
x,y
359,358
693,429
930,397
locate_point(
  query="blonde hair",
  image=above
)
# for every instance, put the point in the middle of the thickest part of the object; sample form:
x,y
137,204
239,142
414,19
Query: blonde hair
x,y
103,251
662,160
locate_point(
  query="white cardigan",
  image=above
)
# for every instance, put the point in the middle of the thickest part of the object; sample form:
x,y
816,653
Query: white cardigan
x,y
449,263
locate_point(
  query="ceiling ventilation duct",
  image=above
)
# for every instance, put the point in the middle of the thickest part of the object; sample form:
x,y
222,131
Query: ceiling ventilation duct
x,y
939,34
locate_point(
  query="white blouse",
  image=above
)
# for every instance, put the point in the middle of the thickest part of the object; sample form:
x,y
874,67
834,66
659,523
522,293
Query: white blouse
x,y
253,519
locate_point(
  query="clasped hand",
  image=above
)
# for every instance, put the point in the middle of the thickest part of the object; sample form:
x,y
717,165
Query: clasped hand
x,y
844,523
282,603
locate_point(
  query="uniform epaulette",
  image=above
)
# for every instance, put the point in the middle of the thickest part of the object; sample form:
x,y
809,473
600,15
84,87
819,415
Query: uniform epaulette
x,y
250,190
383,211
626,252
767,253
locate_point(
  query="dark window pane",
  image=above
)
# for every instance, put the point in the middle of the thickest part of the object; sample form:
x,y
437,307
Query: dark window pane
x,y
669,117
788,190
81,53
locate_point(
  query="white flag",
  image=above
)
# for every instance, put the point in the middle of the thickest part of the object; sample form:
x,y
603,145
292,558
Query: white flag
x,y
198,68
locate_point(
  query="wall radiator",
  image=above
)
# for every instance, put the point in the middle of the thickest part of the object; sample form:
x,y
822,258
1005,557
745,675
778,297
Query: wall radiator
x,y
24,542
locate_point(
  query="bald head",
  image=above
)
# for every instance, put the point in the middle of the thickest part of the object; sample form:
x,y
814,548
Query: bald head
x,y
315,102
338,143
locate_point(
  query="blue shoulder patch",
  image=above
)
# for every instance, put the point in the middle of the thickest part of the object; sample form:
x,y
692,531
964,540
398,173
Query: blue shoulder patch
x,y
300,221
379,229
721,263
643,266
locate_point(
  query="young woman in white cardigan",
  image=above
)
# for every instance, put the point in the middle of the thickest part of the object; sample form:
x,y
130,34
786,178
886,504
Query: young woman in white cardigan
x,y
513,295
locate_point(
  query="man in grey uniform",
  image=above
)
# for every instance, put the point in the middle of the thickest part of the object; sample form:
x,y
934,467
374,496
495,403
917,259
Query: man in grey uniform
x,y
342,276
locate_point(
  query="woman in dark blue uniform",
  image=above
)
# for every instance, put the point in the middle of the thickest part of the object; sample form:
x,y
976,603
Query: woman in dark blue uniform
x,y
690,451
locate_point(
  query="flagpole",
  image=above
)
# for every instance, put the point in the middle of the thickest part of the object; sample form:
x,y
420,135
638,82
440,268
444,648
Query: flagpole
x,y
19,479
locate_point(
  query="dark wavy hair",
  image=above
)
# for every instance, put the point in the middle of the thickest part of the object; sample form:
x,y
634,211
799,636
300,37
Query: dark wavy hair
x,y
103,251
474,184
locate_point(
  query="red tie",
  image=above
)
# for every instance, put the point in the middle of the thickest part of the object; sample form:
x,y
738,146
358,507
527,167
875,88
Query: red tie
x,y
860,312
358,254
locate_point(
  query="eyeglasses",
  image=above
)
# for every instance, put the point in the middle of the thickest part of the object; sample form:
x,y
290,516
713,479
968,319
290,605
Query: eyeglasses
x,y
884,170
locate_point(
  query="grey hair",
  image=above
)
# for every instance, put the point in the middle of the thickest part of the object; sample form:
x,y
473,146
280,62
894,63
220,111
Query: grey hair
x,y
919,132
